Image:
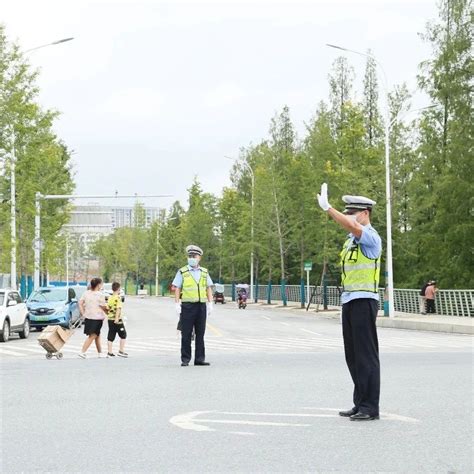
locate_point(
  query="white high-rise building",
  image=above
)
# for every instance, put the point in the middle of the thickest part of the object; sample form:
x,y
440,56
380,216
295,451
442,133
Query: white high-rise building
x,y
102,220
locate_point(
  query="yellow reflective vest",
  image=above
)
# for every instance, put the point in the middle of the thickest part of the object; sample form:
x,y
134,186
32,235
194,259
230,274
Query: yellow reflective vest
x,y
359,273
191,291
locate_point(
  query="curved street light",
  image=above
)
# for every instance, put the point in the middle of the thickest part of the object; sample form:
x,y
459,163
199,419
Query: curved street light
x,y
64,40
388,195
388,126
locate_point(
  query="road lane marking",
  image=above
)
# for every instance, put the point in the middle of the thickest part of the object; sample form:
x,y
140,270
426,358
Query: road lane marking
x,y
191,420
269,343
254,423
267,318
10,352
37,349
285,324
310,342
214,329
310,332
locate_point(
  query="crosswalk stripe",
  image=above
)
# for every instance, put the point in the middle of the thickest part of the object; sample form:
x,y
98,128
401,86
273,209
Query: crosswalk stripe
x,y
277,343
38,350
135,348
314,343
294,343
9,352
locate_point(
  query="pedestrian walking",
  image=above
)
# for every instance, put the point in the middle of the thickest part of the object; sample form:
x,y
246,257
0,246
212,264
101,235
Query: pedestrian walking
x,y
422,298
360,268
193,298
93,308
115,320
430,295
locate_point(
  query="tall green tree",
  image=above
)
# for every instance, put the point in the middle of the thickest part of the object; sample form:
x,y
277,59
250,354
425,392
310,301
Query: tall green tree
x,y
43,162
443,183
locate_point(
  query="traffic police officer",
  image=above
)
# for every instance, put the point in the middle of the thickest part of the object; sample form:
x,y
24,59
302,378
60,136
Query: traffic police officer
x,y
360,267
194,288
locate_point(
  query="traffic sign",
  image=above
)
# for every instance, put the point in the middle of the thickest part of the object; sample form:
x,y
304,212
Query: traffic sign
x,y
308,266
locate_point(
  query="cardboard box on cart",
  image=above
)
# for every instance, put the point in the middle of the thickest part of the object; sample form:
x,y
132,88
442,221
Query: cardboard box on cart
x,y
53,338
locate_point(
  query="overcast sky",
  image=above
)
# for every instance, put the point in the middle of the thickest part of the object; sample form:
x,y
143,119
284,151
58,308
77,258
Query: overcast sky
x,y
153,93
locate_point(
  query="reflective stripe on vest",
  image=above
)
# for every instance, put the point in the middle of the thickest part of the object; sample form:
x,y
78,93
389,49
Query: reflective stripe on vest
x,y
191,291
359,273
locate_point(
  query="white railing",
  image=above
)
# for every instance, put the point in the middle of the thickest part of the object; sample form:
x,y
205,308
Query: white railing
x,y
448,302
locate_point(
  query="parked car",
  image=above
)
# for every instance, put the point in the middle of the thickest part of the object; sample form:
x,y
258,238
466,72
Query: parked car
x,y
13,315
107,291
54,305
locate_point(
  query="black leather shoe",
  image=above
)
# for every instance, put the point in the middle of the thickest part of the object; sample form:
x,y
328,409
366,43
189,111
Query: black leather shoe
x,y
184,364
202,363
359,416
348,413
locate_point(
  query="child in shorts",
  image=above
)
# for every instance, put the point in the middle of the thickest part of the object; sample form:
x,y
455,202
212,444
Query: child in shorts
x,y
115,320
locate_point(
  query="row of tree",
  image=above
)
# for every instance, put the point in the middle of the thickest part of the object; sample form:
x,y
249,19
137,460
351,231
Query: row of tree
x,y
343,145
431,170
43,163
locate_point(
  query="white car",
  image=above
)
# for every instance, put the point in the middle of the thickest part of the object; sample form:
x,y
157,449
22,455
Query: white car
x,y
107,291
13,315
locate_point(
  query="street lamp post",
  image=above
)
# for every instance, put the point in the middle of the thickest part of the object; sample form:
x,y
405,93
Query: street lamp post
x,y
388,194
157,261
13,276
13,282
252,175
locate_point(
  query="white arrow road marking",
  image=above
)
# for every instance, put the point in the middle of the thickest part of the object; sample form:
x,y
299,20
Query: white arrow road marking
x,y
254,423
188,421
312,415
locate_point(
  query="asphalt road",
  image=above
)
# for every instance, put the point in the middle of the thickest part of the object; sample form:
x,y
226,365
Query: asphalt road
x,y
268,402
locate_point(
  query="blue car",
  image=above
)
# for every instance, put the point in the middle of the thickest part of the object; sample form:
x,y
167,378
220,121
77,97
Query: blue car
x,y
54,305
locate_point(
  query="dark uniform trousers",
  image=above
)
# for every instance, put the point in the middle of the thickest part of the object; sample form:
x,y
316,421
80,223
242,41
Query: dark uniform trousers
x,y
193,315
361,348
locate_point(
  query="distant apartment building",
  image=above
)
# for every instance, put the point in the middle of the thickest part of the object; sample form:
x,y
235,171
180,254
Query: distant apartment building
x,y
125,216
95,220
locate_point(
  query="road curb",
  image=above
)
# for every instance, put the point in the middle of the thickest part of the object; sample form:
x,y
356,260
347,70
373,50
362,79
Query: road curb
x,y
399,322
425,325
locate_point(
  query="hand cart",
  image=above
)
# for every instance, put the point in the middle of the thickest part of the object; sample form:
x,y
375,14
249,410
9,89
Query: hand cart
x,y
53,338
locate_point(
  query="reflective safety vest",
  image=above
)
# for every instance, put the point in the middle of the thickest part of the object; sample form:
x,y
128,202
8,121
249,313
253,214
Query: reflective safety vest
x,y
359,273
191,291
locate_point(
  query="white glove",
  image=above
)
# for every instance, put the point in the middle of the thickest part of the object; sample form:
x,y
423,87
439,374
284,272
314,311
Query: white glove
x,y
323,198
209,307
178,308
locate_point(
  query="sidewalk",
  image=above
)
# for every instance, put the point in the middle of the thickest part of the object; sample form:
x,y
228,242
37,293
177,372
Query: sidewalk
x,y
436,323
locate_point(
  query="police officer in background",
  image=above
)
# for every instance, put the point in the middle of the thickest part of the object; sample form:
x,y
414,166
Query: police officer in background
x,y
360,268
194,288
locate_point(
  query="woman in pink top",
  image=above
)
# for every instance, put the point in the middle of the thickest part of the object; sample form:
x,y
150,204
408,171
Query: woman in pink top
x,y
93,309
430,294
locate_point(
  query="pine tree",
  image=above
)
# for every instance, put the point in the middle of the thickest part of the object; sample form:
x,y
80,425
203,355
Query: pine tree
x,y
443,183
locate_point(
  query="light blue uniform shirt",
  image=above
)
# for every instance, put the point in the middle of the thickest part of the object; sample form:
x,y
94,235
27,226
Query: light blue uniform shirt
x,y
371,246
196,274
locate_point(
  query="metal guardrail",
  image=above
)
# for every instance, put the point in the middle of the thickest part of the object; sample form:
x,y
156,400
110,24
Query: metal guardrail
x,y
448,302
